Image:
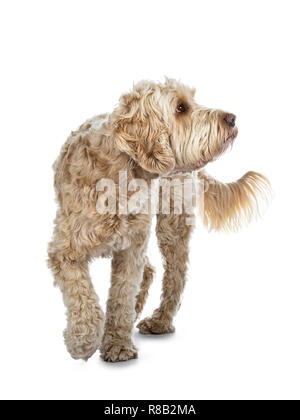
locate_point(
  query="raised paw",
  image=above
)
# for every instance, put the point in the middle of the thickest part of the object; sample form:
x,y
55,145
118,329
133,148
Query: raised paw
x,y
155,326
82,343
118,352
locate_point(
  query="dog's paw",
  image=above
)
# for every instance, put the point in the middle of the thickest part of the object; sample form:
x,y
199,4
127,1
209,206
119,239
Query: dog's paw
x,y
155,326
82,345
118,352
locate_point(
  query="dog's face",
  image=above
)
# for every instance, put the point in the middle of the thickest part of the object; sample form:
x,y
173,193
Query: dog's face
x,y
163,129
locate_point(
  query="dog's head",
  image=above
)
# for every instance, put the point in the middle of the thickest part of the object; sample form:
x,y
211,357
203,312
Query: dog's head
x,y
163,129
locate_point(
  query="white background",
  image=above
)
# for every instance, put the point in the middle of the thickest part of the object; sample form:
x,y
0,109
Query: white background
x,y
238,328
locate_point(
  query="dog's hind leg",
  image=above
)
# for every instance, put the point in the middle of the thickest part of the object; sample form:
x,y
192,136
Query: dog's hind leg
x,y
85,319
145,285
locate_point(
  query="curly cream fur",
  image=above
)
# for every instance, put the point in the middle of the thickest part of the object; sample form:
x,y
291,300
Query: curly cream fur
x,y
146,137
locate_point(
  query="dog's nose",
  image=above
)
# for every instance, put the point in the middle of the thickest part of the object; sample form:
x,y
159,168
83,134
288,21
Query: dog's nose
x,y
230,119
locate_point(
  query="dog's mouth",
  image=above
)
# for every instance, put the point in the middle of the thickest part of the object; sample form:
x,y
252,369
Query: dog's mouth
x,y
227,142
232,134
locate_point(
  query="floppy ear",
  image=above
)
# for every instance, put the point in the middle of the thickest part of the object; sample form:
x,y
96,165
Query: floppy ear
x,y
139,131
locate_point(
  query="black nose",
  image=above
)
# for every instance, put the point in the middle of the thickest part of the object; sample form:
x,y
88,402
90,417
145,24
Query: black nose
x,y
230,119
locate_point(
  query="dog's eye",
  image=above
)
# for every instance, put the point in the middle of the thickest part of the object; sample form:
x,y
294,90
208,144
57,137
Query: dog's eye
x,y
181,108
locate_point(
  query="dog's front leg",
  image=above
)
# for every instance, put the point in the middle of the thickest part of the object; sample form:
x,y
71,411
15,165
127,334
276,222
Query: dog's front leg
x,y
127,272
173,233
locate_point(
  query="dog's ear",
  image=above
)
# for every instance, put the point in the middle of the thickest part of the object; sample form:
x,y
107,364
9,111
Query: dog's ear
x,y
140,131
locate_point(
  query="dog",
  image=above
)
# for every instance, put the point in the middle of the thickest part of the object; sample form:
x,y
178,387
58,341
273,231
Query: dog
x,y
157,131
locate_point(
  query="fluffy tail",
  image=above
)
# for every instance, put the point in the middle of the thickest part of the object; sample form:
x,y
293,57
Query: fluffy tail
x,y
227,206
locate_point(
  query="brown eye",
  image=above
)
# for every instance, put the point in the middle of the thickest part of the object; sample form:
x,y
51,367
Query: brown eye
x,y
181,108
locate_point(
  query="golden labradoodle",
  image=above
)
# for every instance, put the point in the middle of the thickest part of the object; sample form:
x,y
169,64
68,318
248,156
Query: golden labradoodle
x,y
156,131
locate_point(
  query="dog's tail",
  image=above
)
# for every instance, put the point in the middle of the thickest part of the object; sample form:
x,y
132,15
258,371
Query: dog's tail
x,y
227,206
